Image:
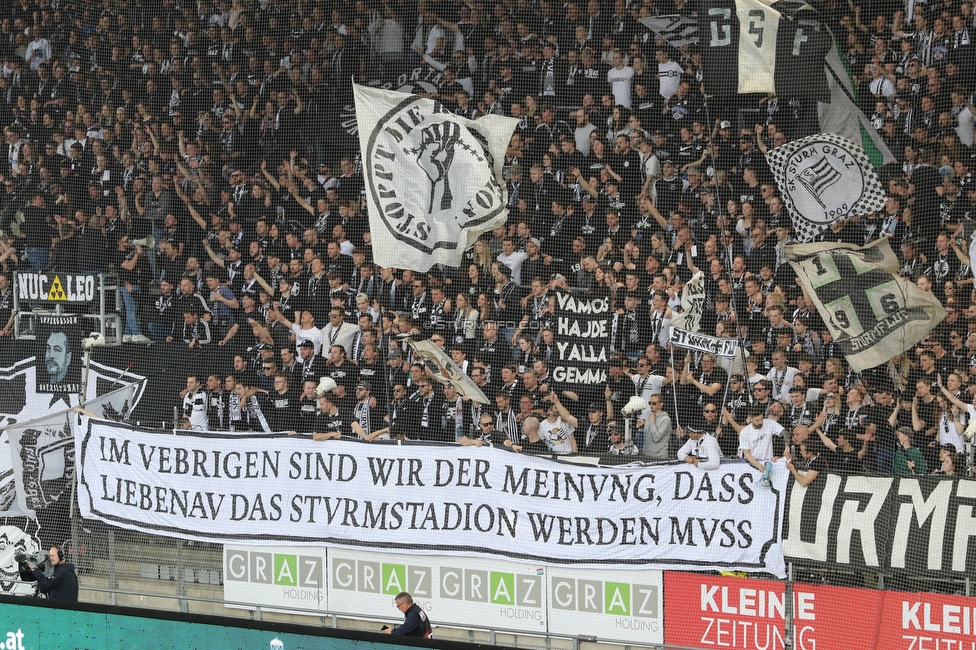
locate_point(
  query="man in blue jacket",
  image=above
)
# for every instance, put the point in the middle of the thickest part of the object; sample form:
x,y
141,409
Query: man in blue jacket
x,y
63,585
415,621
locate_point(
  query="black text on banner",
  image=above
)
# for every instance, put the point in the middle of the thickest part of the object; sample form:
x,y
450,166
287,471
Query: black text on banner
x,y
427,499
718,346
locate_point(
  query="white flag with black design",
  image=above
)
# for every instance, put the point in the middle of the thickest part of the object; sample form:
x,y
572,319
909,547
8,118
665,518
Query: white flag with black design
x,y
43,455
433,179
692,304
676,29
442,368
42,451
871,311
824,178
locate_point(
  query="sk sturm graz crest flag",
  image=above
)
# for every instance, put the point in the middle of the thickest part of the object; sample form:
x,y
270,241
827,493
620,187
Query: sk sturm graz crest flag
x,y
749,46
824,178
872,312
433,179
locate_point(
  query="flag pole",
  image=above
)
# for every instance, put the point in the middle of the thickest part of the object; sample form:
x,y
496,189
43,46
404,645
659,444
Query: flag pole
x,y
674,390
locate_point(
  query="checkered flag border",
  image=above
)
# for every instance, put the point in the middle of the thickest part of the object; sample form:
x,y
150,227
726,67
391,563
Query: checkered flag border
x,y
809,223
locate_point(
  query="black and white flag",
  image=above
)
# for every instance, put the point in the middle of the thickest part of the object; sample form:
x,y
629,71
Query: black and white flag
x,y
824,178
676,29
749,46
42,453
433,179
443,369
732,65
43,456
692,304
583,340
871,311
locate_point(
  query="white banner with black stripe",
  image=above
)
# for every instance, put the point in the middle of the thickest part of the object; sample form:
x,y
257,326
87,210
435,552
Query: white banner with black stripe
x,y
480,501
721,347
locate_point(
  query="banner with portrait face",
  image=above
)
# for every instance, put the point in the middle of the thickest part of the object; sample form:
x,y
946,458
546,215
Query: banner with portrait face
x,y
59,354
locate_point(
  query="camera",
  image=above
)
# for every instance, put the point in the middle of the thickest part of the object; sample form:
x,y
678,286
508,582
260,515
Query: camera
x,y
39,559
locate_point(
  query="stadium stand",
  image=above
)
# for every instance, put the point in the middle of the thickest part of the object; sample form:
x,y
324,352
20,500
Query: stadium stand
x,y
206,155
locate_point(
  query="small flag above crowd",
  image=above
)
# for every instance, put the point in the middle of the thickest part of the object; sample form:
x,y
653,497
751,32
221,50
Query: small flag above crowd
x,y
444,370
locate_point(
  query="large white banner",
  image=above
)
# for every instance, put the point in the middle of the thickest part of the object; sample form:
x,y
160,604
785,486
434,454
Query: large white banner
x,y
257,488
433,179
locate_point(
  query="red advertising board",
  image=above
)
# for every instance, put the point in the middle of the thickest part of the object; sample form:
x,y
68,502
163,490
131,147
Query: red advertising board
x,y
748,614
918,621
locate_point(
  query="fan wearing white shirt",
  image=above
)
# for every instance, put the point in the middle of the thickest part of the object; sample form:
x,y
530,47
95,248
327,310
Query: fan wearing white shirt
x,y
558,429
304,330
756,437
513,259
701,450
620,77
782,376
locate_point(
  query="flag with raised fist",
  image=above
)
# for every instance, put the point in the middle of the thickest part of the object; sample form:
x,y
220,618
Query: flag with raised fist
x,y
433,179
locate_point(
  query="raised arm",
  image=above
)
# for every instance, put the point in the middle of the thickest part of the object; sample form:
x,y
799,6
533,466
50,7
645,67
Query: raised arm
x,y
269,176
564,413
917,423
828,443
264,284
281,318
293,190
181,193
727,416
583,183
216,259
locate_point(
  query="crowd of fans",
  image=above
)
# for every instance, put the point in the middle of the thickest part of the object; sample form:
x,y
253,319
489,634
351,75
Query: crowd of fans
x,y
217,129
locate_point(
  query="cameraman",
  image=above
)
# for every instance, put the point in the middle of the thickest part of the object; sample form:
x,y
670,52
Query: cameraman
x,y
63,585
